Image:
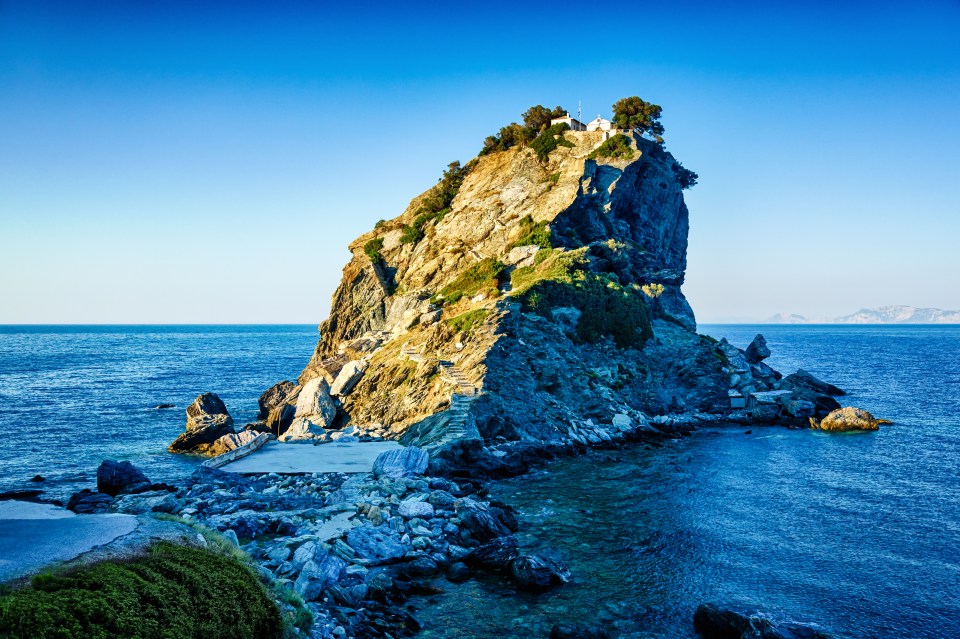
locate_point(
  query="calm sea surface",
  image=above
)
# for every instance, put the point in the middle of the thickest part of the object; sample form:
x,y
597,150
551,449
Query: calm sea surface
x,y
71,396
859,532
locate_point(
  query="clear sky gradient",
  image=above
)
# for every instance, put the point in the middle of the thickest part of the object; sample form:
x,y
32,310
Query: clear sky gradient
x,y
194,162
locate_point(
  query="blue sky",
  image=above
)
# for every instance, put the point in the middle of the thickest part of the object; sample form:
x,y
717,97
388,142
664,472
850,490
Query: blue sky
x,y
170,162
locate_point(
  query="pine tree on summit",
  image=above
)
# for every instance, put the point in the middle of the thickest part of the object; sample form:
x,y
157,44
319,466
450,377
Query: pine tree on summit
x,y
634,113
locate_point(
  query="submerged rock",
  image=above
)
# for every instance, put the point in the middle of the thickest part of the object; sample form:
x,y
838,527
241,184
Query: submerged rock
x,y
113,477
578,631
534,572
848,418
207,421
713,622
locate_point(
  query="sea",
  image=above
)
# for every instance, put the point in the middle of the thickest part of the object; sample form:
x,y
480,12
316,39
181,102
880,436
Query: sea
x,y
856,533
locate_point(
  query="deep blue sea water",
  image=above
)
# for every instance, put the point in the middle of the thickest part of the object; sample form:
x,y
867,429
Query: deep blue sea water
x,y
858,532
71,396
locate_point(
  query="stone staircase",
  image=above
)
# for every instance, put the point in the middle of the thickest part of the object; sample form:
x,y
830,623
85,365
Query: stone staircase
x,y
464,394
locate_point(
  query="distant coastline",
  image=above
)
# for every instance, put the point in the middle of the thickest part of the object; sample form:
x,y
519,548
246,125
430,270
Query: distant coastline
x,y
884,315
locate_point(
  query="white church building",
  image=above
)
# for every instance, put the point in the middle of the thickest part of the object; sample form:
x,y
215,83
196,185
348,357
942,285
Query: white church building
x,y
599,124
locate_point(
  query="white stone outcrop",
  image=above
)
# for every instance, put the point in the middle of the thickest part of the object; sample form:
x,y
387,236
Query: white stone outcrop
x,y
348,377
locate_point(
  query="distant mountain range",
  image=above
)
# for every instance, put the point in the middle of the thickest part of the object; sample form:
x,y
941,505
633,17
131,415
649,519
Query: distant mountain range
x,y
882,315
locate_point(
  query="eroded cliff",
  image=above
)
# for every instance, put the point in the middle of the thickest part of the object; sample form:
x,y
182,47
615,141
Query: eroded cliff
x,y
522,298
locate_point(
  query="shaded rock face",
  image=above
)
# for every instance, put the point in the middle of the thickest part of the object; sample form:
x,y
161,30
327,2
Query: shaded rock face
x,y
847,419
757,351
207,421
274,396
114,477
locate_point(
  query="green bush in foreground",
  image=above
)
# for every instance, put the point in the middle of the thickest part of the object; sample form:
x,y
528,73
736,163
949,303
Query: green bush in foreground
x,y
174,592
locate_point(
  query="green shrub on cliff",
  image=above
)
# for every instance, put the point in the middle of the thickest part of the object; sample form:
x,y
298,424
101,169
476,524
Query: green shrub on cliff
x,y
372,249
482,276
548,141
617,147
685,177
172,593
533,233
436,203
606,308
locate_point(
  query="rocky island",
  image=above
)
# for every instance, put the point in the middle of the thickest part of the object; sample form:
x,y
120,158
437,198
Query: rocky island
x,y
527,306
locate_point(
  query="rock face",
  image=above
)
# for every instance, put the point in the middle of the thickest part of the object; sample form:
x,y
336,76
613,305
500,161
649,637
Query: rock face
x,y
529,299
114,477
757,351
231,442
274,396
315,413
849,418
406,462
207,421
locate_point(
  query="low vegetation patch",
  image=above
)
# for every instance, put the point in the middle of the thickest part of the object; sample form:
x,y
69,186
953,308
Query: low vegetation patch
x,y
466,322
533,233
174,592
607,309
484,276
372,249
549,140
616,148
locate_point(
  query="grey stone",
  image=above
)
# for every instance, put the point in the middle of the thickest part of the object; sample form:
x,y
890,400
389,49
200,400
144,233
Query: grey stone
x,y
378,545
413,508
348,377
758,350
409,461
207,421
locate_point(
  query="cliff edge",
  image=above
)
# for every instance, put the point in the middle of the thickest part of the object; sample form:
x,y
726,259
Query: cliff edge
x,y
531,295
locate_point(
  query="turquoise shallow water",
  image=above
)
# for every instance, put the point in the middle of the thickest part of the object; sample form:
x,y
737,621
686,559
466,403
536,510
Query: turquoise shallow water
x,y
71,396
859,533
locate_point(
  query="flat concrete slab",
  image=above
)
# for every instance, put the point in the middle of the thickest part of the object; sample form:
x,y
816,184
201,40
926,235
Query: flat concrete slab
x,y
32,538
295,458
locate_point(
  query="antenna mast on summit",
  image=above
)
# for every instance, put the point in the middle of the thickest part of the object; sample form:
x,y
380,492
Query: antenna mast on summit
x,y
579,114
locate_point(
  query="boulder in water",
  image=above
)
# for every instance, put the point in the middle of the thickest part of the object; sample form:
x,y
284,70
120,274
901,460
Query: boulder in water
x,y
114,477
535,572
207,421
848,418
758,350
